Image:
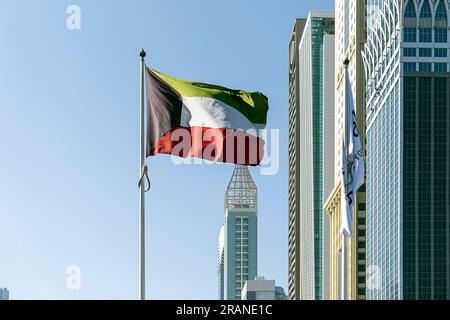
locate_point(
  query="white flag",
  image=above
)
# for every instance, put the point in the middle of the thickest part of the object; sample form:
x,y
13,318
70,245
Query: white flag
x,y
353,165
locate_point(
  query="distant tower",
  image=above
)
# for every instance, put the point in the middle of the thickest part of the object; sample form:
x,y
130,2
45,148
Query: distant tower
x,y
240,233
4,294
221,262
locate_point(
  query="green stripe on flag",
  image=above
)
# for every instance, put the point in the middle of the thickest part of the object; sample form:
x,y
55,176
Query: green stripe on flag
x,y
253,105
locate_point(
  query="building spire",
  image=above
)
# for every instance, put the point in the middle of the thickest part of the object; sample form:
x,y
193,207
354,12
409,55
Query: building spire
x,y
241,191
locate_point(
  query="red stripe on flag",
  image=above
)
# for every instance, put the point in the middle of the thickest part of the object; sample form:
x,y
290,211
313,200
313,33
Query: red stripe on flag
x,y
218,145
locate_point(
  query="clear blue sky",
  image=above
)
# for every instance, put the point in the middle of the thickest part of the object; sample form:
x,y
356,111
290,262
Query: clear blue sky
x,y
69,143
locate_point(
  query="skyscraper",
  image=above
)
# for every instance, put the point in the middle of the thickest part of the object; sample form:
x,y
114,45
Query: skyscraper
x,y
240,233
408,149
328,148
221,263
306,110
350,38
4,294
294,164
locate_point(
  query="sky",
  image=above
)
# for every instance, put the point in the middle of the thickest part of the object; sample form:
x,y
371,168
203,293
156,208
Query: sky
x,y
69,144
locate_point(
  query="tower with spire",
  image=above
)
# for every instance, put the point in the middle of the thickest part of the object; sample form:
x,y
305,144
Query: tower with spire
x,y
240,233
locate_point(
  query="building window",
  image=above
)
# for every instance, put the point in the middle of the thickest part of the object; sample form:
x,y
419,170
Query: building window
x,y
441,13
409,34
410,11
440,35
440,52
440,67
424,52
409,52
409,31
425,13
409,67
425,22
441,23
425,67
425,34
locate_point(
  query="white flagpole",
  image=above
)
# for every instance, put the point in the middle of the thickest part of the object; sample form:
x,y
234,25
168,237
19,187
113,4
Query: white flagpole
x,y
344,166
141,185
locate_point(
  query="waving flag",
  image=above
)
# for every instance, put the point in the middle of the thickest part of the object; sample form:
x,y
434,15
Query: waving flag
x,y
353,165
193,119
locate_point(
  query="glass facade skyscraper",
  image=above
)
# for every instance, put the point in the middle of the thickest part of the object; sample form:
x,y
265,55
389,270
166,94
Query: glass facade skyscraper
x,y
294,233
408,149
240,233
306,199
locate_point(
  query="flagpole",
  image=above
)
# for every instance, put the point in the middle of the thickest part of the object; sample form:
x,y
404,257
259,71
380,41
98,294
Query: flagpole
x,y
141,185
344,164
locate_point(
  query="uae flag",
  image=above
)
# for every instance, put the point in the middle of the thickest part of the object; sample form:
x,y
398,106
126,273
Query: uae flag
x,y
193,119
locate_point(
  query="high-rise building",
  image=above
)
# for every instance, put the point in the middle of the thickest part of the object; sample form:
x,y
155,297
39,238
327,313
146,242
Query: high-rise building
x,y
294,164
262,289
408,149
240,233
350,37
221,263
4,294
328,154
306,161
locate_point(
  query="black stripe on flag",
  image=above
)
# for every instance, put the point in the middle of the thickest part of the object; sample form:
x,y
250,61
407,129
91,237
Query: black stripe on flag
x,y
164,106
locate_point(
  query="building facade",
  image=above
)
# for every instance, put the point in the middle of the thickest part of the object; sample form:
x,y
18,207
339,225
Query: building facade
x,y
408,149
262,289
350,38
240,233
306,162
328,152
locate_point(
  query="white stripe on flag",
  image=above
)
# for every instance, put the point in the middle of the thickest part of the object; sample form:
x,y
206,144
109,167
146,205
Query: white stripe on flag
x,y
213,113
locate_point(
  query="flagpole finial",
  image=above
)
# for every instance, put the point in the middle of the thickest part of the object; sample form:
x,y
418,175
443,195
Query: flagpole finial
x,y
142,54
